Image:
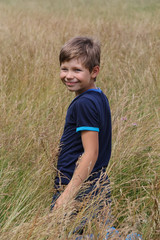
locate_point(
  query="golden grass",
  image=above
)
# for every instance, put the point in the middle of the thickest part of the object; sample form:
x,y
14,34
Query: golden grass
x,y
33,104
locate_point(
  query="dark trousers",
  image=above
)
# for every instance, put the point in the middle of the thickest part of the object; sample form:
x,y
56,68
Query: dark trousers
x,y
95,192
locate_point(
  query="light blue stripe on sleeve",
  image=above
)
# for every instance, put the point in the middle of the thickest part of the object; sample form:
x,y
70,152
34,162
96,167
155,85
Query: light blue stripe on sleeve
x,y
95,129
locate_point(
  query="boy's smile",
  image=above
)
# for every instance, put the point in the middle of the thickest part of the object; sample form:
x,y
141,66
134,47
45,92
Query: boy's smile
x,y
76,77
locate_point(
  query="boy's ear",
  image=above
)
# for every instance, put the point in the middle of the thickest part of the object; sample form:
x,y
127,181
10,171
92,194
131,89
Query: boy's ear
x,y
95,71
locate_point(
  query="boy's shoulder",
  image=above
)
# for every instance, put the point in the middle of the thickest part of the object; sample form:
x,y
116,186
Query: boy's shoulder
x,y
86,98
91,94
95,96
91,100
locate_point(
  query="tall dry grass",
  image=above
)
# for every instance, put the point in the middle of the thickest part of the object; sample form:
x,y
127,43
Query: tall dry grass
x,y
33,103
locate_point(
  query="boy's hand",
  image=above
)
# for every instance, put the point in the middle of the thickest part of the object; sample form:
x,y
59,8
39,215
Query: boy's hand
x,y
61,201
65,199
58,204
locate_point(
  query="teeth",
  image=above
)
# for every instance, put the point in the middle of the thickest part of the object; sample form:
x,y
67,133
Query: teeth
x,y
71,81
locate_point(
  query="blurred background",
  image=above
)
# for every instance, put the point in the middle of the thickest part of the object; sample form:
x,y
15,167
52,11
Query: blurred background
x,y
33,104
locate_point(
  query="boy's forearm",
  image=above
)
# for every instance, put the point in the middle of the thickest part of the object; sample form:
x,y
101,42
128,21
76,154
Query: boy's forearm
x,y
84,168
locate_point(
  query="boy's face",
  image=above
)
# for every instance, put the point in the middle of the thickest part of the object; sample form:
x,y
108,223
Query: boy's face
x,y
76,77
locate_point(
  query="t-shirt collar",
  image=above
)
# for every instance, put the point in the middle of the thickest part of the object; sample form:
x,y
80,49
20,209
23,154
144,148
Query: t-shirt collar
x,y
89,90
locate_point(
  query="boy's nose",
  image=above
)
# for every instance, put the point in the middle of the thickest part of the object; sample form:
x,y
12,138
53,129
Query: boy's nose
x,y
69,75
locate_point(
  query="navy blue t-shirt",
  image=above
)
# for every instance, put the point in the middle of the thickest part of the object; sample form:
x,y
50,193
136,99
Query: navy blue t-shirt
x,y
88,111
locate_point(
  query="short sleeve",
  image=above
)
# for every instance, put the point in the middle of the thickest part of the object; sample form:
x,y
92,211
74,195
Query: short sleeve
x,y
87,116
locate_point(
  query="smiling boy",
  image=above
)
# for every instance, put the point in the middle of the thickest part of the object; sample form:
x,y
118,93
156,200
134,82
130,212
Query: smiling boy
x,y
86,141
76,77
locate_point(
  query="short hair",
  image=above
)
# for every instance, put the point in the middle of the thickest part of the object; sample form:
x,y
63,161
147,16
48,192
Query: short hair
x,y
84,48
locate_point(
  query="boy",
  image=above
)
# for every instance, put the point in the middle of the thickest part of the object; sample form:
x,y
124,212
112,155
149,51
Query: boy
x,y
86,140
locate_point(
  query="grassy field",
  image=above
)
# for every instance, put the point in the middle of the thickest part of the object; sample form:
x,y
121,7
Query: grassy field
x,y
33,104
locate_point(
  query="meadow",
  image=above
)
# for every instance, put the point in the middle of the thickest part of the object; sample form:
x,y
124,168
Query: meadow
x,y
33,104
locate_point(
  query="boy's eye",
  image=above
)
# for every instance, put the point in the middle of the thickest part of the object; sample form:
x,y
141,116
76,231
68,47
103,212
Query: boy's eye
x,y
63,69
78,70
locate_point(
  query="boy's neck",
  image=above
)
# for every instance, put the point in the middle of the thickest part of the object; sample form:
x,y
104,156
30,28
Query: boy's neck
x,y
93,87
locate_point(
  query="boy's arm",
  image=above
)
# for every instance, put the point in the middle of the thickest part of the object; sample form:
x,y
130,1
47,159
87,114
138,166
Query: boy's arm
x,y
85,166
